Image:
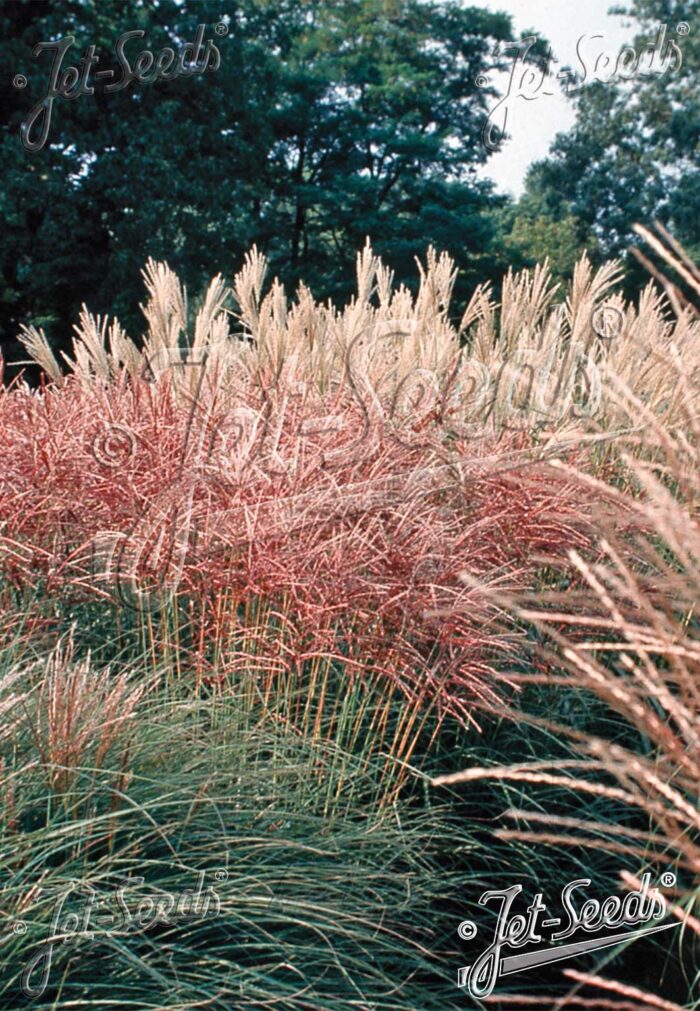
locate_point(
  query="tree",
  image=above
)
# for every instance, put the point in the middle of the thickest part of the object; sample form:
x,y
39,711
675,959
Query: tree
x,y
325,122
633,153
530,234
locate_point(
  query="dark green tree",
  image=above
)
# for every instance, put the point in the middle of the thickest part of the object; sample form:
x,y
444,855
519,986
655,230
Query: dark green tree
x,y
633,153
327,121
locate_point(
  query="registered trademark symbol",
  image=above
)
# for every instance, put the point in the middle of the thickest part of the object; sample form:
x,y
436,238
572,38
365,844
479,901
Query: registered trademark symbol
x,y
467,930
683,28
668,879
481,80
221,28
19,81
607,321
221,875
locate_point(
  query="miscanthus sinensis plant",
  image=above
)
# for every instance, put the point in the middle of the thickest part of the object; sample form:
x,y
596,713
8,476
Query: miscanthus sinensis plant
x,y
117,792
610,661
341,526
295,496
537,357
295,488
611,667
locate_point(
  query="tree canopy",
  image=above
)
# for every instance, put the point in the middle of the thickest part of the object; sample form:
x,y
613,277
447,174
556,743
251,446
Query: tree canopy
x,y
325,122
633,153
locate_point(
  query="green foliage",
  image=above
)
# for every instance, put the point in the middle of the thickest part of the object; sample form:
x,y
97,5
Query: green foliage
x,y
325,123
531,235
316,911
332,896
633,152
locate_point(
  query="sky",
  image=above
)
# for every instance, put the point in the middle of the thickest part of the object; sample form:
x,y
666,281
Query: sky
x,y
533,124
